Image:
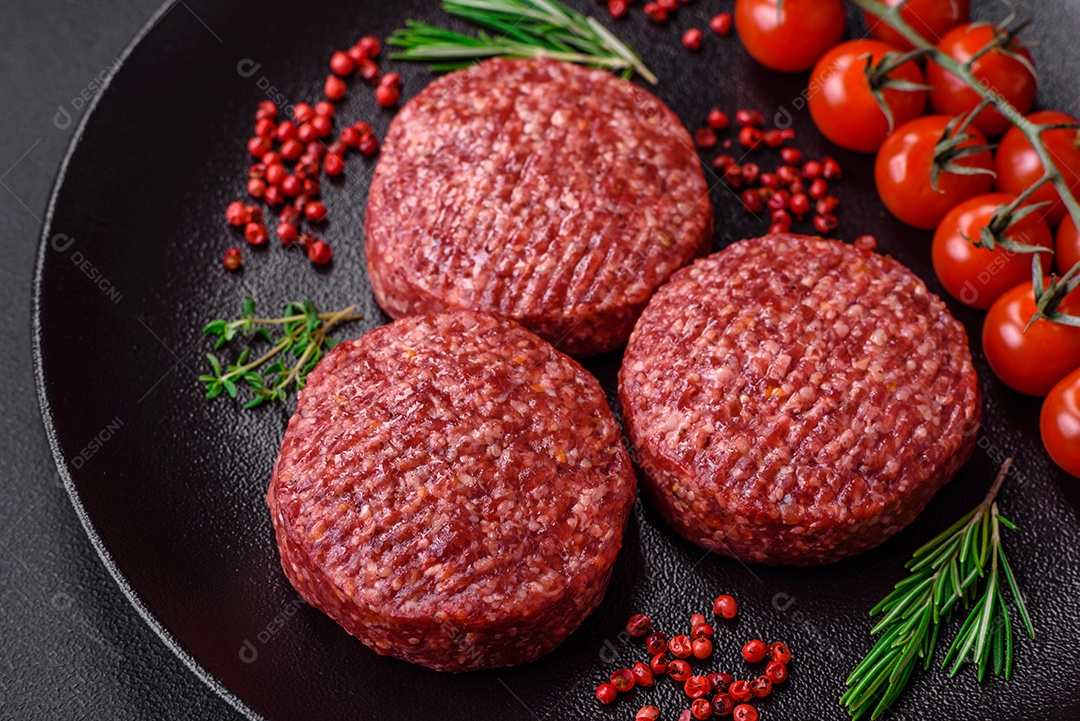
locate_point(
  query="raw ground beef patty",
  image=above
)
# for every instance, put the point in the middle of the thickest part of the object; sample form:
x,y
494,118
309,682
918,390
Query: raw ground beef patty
x,y
796,400
452,490
554,195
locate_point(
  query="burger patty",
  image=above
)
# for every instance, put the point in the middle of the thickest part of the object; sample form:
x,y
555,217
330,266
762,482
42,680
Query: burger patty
x,y
539,191
796,400
452,490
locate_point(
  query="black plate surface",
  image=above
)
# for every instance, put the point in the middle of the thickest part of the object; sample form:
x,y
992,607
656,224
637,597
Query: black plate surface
x,y
170,486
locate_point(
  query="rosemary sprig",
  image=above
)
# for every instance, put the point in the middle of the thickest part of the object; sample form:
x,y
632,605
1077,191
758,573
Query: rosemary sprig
x,y
518,29
944,573
303,335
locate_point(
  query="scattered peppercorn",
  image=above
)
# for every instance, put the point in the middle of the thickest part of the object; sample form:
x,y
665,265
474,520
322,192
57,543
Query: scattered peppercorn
x,y
681,646
750,137
369,145
387,95
748,117
679,670
744,712
266,109
781,218
717,119
754,651
655,12
370,46
320,253
725,607
701,709
341,64
333,164
825,224
233,259
606,693
237,214
761,686
827,205
791,156
752,201
751,172
697,686
639,625
367,69
777,672
287,232
255,233
643,675
722,704
659,664
647,713
617,8
866,242
705,138
656,643
818,189
740,690
623,679
830,169
691,39
779,651
799,204
721,24
334,87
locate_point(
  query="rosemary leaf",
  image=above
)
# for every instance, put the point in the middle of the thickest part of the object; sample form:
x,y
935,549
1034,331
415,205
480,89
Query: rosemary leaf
x,y
943,573
517,29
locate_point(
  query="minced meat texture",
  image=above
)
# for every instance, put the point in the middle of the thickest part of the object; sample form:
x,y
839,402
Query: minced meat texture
x,y
543,192
797,400
452,490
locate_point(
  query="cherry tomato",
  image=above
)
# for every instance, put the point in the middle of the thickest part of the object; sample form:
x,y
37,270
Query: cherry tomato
x,y
1059,423
841,101
790,35
977,276
930,18
1030,361
1066,246
902,172
1018,167
999,70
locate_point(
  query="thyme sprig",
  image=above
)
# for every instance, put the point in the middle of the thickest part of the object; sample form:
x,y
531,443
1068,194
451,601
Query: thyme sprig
x,y
301,341
1048,296
518,29
944,573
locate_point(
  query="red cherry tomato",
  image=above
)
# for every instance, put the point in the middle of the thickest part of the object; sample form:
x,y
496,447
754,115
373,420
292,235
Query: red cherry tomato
x,y
977,276
930,18
1066,246
902,172
1059,423
843,105
1030,361
1010,77
1018,167
792,35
